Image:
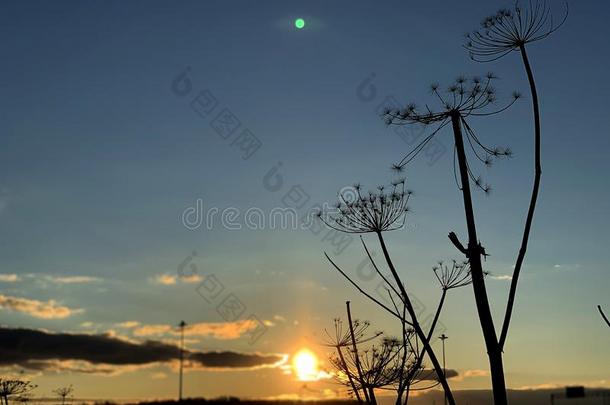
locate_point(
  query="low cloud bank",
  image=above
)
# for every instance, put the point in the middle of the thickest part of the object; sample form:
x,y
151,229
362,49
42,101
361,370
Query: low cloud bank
x,y
31,348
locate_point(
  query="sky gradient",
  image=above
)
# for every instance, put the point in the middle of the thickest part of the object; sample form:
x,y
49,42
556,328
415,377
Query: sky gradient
x,y
102,152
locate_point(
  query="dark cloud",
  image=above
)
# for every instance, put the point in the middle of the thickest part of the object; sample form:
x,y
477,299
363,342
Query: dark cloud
x,y
430,375
221,359
30,348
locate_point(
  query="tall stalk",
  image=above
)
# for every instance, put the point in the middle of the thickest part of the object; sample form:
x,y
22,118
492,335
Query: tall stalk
x,y
500,34
474,252
533,199
438,368
465,99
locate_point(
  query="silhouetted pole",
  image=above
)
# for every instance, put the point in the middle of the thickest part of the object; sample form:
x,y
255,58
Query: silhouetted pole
x,y
181,325
444,337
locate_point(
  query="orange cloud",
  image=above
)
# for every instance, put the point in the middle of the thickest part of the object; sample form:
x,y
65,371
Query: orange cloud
x,y
216,330
165,279
85,367
128,324
193,278
170,279
475,373
471,374
150,330
39,309
9,278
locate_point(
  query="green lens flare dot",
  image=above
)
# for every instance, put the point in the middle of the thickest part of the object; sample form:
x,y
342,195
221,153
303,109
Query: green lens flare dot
x,y
299,23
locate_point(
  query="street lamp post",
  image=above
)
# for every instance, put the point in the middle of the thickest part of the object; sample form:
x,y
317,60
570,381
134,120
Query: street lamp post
x,y
182,324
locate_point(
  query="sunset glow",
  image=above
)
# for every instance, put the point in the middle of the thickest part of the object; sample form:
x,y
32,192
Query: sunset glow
x,y
305,365
304,202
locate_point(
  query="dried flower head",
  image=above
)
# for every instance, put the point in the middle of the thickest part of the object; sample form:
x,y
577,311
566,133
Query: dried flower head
x,y
375,211
341,337
454,276
510,29
464,98
380,364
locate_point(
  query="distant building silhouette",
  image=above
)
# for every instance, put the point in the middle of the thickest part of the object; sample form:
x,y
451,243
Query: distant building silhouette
x,y
578,395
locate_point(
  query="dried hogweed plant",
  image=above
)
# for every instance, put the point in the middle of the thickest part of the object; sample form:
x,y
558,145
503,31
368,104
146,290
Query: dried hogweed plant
x,y
15,389
371,212
511,30
460,103
500,34
366,363
378,212
462,100
344,340
64,393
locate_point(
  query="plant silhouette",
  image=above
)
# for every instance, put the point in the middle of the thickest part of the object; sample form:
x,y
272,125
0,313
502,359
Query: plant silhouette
x,y
464,100
14,389
368,363
63,393
499,35
378,212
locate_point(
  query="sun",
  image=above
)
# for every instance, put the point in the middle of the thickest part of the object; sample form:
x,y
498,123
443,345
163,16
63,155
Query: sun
x,y
305,365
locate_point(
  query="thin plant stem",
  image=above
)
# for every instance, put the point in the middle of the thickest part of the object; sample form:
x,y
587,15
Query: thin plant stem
x,y
599,308
533,199
349,376
416,326
356,356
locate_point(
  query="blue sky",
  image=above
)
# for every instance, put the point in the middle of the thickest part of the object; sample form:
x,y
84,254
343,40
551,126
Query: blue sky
x,y
99,159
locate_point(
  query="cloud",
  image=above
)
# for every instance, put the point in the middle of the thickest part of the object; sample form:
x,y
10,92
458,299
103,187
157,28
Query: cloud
x,y
9,278
237,360
39,309
128,324
502,277
151,330
544,386
216,330
430,375
165,279
192,279
566,267
475,373
45,279
71,279
83,367
221,330
472,374
170,279
41,350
